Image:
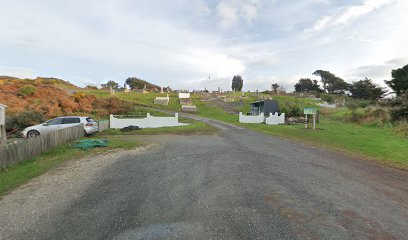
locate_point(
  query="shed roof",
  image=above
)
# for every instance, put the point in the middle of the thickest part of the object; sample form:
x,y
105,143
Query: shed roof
x,y
2,105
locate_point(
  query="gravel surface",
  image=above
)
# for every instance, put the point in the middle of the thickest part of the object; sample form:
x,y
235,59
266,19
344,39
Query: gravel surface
x,y
239,184
37,201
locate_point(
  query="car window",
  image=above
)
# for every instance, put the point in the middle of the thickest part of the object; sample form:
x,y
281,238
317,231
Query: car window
x,y
90,120
54,121
70,120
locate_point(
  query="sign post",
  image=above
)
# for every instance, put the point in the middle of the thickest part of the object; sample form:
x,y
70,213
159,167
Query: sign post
x,y
310,111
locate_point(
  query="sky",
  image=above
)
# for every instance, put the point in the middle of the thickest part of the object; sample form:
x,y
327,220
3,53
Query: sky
x,y
197,44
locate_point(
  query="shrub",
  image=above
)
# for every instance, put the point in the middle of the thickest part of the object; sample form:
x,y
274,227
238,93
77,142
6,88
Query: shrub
x,y
27,90
78,95
401,127
399,109
22,120
291,109
375,116
353,115
363,103
327,98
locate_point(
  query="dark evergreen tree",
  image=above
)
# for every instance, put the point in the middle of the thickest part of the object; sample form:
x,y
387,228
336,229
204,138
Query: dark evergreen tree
x,y
237,83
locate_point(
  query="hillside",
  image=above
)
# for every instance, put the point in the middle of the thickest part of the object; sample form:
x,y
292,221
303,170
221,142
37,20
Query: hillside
x,y
49,98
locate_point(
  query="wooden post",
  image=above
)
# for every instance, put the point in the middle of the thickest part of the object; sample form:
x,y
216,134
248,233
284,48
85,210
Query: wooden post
x,y
2,134
314,121
3,137
306,121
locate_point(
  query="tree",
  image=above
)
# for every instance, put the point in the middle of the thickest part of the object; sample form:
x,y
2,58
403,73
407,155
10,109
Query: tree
x,y
110,84
399,82
137,83
307,85
366,89
331,83
237,83
275,87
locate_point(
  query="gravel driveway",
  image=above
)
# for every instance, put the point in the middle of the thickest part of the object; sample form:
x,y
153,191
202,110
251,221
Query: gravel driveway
x,y
239,184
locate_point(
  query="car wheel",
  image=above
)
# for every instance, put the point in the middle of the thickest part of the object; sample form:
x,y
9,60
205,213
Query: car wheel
x,y
33,134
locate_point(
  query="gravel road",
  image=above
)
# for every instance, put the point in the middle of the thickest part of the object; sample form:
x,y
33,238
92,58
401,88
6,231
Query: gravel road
x,y
238,184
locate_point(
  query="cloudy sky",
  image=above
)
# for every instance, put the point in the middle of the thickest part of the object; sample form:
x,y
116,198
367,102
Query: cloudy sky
x,y
182,42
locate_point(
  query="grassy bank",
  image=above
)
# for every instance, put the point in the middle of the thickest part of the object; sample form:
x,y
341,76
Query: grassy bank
x,y
368,141
22,172
146,99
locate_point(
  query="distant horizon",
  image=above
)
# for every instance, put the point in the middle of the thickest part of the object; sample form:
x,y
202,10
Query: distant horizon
x,y
180,43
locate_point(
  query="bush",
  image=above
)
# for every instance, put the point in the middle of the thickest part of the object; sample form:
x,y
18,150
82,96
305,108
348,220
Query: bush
x,y
78,95
399,109
353,115
291,109
327,98
375,116
401,127
27,90
22,120
363,103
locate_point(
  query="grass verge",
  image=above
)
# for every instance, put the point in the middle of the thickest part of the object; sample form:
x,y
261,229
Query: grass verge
x,y
375,143
22,172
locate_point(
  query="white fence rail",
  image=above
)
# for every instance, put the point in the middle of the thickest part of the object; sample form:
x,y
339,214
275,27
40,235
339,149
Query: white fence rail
x,y
251,119
275,119
148,122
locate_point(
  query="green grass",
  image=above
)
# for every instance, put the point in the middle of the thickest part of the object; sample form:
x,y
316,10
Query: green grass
x,y
193,128
377,143
214,112
22,172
